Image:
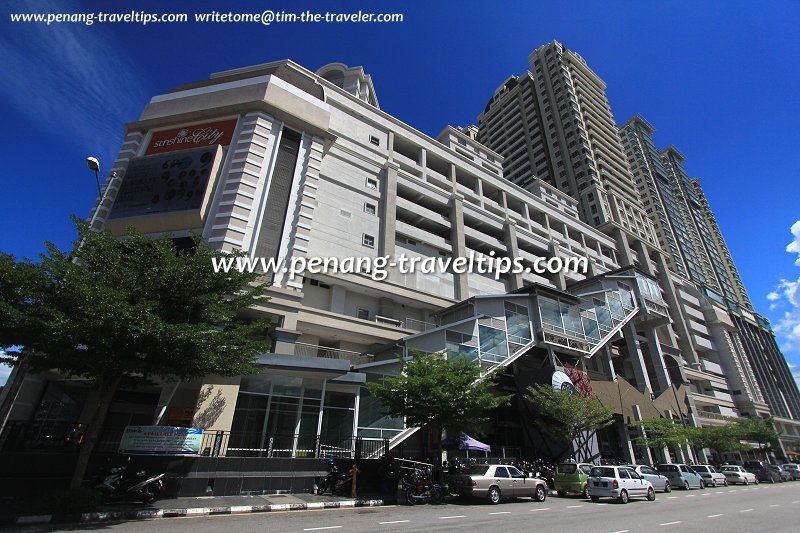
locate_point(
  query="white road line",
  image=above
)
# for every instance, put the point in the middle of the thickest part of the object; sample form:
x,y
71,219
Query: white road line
x,y
706,494
714,515
731,491
394,522
502,512
672,497
796,501
621,531
573,506
775,505
745,510
454,516
671,523
547,509
320,528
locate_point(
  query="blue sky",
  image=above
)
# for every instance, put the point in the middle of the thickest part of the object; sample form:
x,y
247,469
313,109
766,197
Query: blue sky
x,y
717,79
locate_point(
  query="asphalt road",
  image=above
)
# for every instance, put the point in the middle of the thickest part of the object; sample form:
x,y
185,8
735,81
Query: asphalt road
x,y
750,509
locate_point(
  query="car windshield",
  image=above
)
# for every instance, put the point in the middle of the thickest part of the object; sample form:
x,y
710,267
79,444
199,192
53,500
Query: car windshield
x,y
477,470
667,468
730,468
567,468
603,471
700,468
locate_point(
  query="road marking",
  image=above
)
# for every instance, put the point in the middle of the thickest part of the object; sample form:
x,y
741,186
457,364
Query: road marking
x,y
796,501
621,531
775,505
573,506
671,523
394,522
745,489
454,516
502,512
745,510
672,497
714,515
320,528
706,494
547,509
731,491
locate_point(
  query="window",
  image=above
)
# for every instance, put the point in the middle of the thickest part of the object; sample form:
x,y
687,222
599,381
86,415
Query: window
x,y
623,474
372,183
368,241
501,471
369,208
374,140
362,313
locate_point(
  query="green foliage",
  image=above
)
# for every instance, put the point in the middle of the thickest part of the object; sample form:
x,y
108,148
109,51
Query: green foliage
x,y
564,416
721,439
445,393
135,308
757,429
661,432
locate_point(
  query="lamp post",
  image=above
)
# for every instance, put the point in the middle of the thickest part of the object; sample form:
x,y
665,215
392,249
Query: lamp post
x,y
94,166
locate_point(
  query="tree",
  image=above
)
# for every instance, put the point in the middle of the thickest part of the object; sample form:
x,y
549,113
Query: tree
x,y
661,433
757,429
566,416
120,312
721,439
446,393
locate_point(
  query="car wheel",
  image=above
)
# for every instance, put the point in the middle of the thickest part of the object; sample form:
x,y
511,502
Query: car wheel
x,y
725,483
685,485
586,491
494,495
702,484
651,495
540,495
667,487
561,493
772,480
595,498
746,481
623,496
714,483
756,481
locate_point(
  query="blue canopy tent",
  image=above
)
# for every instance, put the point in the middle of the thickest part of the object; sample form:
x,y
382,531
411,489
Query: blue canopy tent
x,y
466,443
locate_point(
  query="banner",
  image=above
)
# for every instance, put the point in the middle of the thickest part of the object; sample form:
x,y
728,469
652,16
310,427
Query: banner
x,y
161,440
197,136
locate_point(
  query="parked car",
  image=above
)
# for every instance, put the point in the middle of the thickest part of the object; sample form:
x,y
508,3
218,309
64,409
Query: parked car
x,y
497,482
659,481
793,469
572,477
710,475
682,476
619,482
738,475
762,471
784,475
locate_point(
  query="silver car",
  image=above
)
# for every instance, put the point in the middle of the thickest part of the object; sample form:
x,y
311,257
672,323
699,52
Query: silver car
x,y
711,476
619,482
736,474
659,481
497,482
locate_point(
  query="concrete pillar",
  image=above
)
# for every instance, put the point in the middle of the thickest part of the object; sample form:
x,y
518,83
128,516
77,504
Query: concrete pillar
x,y
645,265
560,280
389,210
637,416
624,254
285,340
671,297
657,359
512,251
338,295
458,242
636,358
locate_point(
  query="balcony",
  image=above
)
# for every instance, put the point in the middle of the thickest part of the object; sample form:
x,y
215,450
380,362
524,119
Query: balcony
x,y
312,350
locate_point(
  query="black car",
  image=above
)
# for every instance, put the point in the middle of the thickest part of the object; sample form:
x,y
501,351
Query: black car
x,y
763,472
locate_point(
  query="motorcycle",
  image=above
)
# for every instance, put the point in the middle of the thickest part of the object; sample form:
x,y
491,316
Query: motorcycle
x,y
120,484
421,489
337,482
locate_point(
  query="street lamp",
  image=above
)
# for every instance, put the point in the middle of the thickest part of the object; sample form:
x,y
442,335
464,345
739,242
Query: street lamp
x,y
94,166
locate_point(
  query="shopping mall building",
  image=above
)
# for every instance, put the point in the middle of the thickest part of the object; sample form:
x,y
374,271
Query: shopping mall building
x,y
286,163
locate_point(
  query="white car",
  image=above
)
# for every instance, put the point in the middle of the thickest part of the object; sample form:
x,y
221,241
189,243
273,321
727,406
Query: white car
x,y
659,481
711,475
737,474
619,482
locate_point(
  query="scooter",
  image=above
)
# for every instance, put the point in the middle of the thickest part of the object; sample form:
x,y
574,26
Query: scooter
x,y
338,483
119,484
421,489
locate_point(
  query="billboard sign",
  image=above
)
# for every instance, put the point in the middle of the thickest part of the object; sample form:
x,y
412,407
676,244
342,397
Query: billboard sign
x,y
197,136
161,440
165,183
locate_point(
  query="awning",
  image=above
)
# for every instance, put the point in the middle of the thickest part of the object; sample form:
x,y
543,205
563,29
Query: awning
x,y
465,442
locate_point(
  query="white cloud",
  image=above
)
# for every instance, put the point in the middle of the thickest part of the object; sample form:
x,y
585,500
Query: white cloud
x,y
773,296
71,78
794,246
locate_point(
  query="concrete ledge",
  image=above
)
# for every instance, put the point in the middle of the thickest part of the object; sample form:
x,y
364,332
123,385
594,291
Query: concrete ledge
x,y
150,514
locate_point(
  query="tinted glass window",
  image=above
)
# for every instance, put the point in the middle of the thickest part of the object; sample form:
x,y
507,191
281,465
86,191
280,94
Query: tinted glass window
x,y
649,471
701,469
685,469
602,471
514,472
624,474
730,469
500,471
586,469
667,468
567,468
477,470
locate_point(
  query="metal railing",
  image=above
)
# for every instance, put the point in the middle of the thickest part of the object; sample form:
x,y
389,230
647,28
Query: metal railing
x,y
254,444
314,350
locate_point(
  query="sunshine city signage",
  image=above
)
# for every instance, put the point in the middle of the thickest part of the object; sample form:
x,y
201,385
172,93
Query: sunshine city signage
x,y
197,136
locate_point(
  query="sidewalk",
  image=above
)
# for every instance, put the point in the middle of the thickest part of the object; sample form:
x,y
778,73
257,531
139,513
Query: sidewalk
x,y
206,505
